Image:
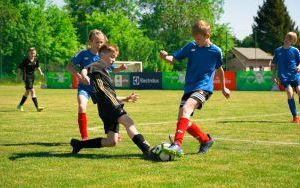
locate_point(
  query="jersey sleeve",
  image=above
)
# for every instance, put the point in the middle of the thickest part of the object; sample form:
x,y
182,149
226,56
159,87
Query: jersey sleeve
x,y
297,55
182,53
274,60
37,64
219,59
77,59
22,65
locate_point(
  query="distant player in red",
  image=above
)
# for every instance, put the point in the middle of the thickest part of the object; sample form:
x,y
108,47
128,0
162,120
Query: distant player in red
x,y
28,66
286,63
204,59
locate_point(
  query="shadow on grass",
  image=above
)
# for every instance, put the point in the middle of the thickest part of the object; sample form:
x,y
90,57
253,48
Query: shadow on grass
x,y
70,155
37,144
252,121
9,110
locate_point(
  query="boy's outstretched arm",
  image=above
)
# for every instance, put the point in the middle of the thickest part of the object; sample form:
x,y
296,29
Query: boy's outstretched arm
x,y
274,73
85,79
169,58
120,68
71,68
131,98
221,75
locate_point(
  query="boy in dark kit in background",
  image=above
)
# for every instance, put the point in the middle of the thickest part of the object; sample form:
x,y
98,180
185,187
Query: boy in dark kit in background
x,y
28,66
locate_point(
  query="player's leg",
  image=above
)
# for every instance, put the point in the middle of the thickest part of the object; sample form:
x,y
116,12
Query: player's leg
x,y
110,141
35,101
134,135
291,102
82,100
24,97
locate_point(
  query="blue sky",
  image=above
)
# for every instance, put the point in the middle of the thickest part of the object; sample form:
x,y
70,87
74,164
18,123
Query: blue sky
x,y
239,14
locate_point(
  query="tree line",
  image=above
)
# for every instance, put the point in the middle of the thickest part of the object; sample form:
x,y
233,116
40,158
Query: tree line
x,y
141,28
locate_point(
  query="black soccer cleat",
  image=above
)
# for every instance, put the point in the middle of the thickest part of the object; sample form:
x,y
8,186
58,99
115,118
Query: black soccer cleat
x,y
151,156
205,147
75,145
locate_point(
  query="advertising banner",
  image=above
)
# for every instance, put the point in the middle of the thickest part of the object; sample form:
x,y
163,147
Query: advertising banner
x,y
173,80
121,80
254,80
59,80
230,81
146,80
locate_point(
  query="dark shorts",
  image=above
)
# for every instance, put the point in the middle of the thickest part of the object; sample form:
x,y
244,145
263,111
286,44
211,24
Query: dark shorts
x,y
110,114
200,96
294,83
29,80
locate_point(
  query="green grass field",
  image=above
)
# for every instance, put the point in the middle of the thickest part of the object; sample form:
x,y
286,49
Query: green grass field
x,y
256,145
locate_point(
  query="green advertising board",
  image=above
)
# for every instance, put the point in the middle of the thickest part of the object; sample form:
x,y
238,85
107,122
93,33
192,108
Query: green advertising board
x,y
254,80
121,80
173,80
59,80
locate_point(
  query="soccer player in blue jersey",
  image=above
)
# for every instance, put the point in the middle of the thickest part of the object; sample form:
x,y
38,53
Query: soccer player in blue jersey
x,y
82,59
286,63
204,59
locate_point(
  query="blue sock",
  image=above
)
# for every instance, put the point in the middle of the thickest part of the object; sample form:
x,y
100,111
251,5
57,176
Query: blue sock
x,y
292,107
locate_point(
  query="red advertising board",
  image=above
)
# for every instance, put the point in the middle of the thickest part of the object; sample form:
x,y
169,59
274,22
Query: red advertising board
x,y
230,81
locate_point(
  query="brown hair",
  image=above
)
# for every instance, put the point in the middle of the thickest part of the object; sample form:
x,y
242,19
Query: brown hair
x,y
201,27
292,36
107,48
95,32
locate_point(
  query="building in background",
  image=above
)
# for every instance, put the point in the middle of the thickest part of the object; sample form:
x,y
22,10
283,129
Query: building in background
x,y
249,59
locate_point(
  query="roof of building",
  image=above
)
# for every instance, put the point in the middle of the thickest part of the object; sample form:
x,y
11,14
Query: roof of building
x,y
252,53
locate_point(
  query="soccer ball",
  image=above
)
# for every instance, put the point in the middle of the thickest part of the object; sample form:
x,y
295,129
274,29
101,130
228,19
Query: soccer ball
x,y
163,156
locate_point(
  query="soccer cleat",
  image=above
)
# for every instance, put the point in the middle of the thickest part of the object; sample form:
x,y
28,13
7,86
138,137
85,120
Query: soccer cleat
x,y
296,119
75,145
174,149
151,156
39,109
21,108
204,147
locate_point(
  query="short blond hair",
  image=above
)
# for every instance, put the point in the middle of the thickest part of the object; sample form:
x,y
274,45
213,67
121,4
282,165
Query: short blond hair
x,y
200,27
107,48
95,32
292,36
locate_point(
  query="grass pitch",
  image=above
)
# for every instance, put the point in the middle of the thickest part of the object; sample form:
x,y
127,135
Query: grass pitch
x,y
256,145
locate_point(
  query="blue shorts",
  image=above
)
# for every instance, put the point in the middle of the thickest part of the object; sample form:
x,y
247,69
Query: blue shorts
x,y
84,93
294,83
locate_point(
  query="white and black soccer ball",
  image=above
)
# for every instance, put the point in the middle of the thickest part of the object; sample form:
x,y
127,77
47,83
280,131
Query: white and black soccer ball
x,y
162,155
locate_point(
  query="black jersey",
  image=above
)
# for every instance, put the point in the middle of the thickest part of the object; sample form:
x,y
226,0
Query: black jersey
x,y
28,67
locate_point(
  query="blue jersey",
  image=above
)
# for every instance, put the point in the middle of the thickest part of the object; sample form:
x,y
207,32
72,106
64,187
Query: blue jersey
x,y
201,66
287,60
83,59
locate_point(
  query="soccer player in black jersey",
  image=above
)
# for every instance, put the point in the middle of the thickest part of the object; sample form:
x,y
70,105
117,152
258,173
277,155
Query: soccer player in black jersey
x,y
28,66
110,107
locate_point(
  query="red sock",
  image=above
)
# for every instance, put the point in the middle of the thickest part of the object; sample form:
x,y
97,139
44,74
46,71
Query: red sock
x,y
182,125
82,122
196,132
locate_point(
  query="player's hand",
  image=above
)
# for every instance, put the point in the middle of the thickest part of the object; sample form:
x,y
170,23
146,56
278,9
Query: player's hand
x,y
79,76
298,69
226,92
86,80
163,54
132,97
276,81
123,67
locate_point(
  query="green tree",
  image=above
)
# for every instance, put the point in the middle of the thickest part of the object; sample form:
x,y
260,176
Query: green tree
x,y
271,25
169,21
128,37
49,29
